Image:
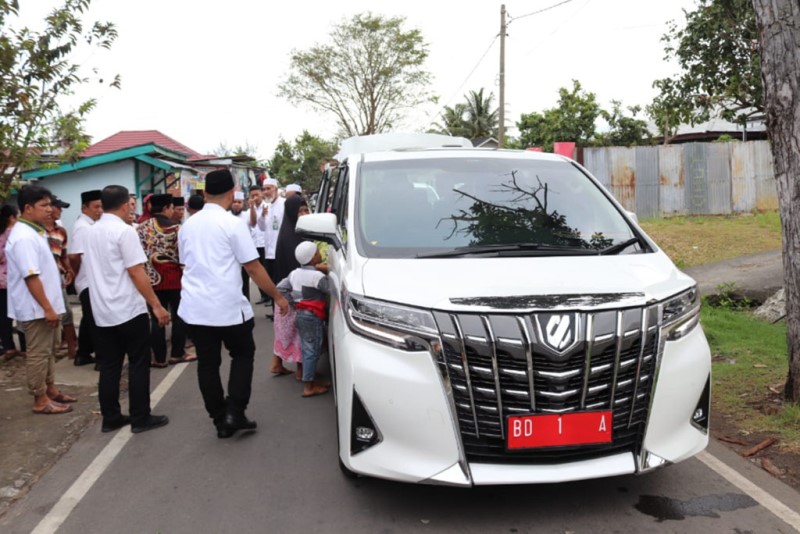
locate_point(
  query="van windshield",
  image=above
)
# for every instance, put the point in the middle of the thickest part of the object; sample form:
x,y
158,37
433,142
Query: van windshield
x,y
463,206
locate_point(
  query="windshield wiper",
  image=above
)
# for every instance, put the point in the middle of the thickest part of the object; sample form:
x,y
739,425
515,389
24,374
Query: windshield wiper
x,y
508,247
619,247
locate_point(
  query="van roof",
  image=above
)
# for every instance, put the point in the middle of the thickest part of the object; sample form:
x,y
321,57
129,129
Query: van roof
x,y
398,141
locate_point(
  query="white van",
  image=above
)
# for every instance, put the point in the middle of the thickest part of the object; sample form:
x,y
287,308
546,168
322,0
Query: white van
x,y
497,317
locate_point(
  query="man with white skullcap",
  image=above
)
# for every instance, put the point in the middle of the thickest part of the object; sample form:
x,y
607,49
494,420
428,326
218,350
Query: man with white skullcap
x,y
270,222
293,189
237,209
213,246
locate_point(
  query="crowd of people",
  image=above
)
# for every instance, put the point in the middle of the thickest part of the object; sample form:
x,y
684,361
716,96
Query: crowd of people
x,y
184,264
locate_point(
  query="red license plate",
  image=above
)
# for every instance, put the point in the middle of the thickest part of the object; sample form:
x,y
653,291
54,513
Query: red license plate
x,y
558,430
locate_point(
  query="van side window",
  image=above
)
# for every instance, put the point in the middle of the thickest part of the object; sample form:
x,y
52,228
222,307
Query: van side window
x,y
341,206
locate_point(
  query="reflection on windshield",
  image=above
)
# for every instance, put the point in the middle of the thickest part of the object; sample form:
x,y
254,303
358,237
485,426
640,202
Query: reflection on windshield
x,y
426,205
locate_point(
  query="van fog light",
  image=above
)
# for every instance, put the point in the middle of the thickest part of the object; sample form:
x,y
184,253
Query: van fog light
x,y
365,434
699,415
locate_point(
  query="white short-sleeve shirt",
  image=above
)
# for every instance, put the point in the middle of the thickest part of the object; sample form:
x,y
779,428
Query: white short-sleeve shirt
x,y
82,223
110,247
28,254
213,244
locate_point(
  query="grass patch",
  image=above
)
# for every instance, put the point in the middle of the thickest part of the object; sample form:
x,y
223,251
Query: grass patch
x,y
749,356
691,241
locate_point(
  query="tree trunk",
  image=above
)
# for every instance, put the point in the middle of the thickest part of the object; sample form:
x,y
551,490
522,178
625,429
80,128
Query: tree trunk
x,y
779,40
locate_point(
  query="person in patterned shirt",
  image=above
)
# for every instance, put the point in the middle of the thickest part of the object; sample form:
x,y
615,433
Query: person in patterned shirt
x,y
57,238
159,237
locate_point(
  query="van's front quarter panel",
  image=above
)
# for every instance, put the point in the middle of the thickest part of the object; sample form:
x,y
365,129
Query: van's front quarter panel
x,y
403,394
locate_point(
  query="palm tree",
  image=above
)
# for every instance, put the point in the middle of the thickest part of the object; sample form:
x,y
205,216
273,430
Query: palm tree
x,y
453,121
481,120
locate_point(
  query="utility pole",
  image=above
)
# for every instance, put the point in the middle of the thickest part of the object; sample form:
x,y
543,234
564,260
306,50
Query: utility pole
x,y
501,130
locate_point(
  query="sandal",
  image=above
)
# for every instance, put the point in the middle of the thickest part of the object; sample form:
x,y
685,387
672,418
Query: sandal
x,y
183,359
53,409
159,365
283,371
63,398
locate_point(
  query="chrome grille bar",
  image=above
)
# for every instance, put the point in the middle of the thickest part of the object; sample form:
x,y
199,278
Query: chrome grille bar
x,y
523,328
493,347
617,353
465,364
587,366
642,345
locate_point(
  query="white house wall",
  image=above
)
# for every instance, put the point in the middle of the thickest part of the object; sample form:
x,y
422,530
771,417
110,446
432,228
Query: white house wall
x,y
69,186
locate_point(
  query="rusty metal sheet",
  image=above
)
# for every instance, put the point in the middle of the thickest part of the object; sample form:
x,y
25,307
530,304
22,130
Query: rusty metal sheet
x,y
622,167
695,158
743,183
647,188
672,180
596,162
719,178
764,174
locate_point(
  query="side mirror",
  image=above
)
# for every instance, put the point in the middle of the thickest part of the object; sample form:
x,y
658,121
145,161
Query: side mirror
x,y
319,226
633,216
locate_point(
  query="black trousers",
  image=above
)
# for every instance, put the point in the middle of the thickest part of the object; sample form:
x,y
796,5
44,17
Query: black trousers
x,y
87,330
245,284
170,299
262,259
7,326
113,343
208,342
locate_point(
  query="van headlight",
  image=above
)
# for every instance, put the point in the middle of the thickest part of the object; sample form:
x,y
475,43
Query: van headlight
x,y
401,327
680,314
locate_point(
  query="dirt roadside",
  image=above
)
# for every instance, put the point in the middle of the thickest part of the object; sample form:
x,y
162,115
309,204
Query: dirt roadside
x,y
31,444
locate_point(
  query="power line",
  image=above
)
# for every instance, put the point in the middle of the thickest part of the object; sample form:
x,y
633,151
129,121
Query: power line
x,y
488,48
512,19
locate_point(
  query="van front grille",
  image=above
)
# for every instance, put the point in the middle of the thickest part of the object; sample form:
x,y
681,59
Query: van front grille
x,y
498,365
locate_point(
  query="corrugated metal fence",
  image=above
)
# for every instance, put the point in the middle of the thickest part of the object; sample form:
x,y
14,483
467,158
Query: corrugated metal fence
x,y
687,179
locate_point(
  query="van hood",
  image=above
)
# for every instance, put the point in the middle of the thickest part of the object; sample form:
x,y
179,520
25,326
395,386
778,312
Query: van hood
x,y
524,283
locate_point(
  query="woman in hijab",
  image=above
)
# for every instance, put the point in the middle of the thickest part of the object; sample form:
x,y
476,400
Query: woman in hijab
x,y
287,339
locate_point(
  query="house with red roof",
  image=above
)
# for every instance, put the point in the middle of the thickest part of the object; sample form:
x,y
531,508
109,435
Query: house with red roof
x,y
143,161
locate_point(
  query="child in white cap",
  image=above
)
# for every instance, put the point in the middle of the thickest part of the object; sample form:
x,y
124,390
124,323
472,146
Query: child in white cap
x,y
305,288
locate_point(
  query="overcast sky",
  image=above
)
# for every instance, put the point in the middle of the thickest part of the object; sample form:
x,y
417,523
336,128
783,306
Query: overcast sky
x,y
206,72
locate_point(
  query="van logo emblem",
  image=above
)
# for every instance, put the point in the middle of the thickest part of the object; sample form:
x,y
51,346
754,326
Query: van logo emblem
x,y
558,334
558,331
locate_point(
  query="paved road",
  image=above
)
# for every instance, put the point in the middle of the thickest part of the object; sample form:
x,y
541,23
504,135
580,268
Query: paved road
x,y
284,477
759,275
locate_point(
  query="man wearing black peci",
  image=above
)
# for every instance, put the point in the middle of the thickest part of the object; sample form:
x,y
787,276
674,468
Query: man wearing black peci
x,y
213,246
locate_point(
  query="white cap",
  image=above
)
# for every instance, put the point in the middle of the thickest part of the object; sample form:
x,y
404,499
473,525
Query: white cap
x,y
305,252
294,187
271,181
238,195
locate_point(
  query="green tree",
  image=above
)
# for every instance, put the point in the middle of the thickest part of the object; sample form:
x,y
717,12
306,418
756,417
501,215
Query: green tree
x,y
474,118
573,119
720,72
301,161
453,121
368,76
37,69
624,130
779,25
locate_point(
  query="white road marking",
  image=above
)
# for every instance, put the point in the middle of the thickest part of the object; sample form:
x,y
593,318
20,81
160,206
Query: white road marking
x,y
59,513
789,516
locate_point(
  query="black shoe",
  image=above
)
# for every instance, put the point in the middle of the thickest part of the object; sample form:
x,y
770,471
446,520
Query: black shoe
x,y
111,426
152,421
262,300
224,431
239,422
83,359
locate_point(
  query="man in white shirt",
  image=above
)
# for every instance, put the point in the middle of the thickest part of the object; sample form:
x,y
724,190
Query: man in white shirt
x,y
237,209
91,210
121,290
35,298
213,246
257,209
270,222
